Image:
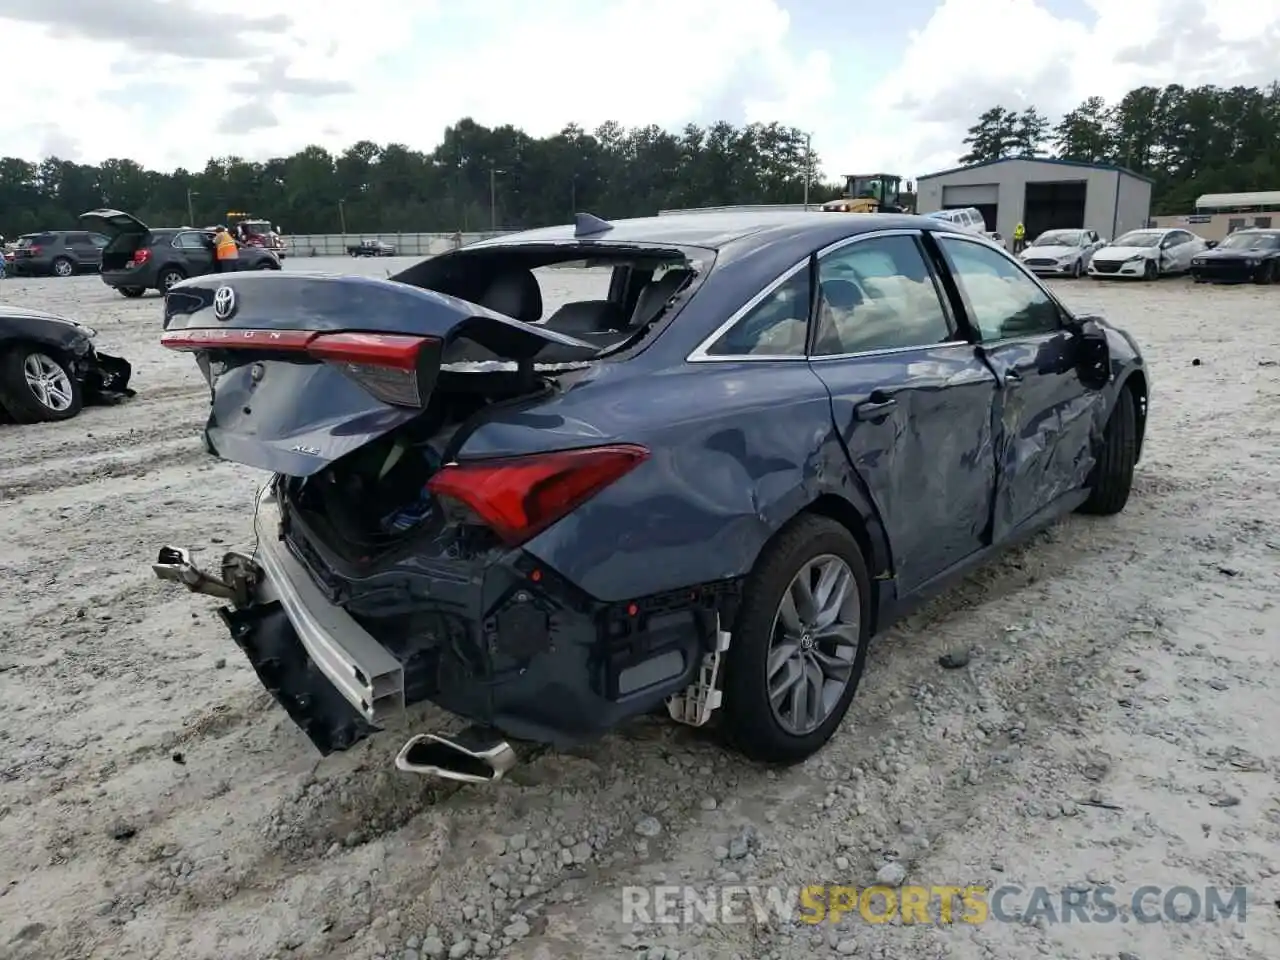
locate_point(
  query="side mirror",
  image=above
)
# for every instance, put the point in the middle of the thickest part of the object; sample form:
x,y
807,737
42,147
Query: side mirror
x,y
1093,356
1210,244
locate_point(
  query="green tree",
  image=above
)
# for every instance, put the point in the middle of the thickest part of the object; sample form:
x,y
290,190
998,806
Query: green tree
x,y
1190,141
993,137
475,176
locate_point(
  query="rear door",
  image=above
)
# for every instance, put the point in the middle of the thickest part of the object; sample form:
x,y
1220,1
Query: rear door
x,y
82,249
194,252
910,397
1044,415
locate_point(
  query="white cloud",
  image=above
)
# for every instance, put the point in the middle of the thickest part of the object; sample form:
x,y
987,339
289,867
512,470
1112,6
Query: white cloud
x,y
415,70
974,54
538,66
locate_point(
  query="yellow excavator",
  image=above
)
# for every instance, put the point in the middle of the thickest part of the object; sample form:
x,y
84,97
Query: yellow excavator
x,y
873,193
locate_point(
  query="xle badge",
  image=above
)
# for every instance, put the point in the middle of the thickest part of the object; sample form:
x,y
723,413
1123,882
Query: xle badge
x,y
224,303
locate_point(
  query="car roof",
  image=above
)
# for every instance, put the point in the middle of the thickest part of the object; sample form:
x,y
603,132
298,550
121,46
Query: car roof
x,y
726,231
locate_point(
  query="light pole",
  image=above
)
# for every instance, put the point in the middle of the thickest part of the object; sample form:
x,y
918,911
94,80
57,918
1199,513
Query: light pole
x,y
342,215
493,198
808,167
191,217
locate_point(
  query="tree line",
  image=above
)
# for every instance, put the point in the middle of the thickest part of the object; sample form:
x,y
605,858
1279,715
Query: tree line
x,y
476,179
1189,140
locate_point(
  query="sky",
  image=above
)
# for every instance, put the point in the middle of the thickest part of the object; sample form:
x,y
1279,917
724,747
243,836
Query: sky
x,y
886,86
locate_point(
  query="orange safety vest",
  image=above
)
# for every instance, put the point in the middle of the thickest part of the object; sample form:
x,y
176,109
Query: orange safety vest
x,y
226,244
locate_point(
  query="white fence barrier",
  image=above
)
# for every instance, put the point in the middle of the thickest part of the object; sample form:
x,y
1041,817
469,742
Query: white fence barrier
x,y
743,208
406,244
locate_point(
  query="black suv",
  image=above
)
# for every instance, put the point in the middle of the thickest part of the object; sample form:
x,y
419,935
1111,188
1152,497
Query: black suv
x,y
139,258
58,253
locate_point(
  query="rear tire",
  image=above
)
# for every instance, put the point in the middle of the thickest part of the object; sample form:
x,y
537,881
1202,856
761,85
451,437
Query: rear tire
x,y
131,292
169,276
752,724
1112,476
37,386
63,267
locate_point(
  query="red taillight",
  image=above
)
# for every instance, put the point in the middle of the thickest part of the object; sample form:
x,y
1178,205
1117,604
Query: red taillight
x,y
140,257
385,364
35,251
519,496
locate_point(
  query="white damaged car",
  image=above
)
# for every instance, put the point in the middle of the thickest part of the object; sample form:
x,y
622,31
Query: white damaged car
x,y
1147,253
1061,253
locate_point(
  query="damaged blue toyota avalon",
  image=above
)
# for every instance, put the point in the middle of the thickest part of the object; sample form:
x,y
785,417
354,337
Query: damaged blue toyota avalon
x,y
709,489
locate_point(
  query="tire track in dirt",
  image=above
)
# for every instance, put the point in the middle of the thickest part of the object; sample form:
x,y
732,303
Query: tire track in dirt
x,y
184,450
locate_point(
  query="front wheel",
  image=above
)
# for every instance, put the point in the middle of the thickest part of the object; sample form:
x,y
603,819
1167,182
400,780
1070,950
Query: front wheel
x,y
36,386
1112,476
799,643
1266,273
1150,271
1078,270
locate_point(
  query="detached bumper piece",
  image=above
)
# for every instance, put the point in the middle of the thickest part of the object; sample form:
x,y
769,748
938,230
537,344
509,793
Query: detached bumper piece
x,y
268,639
106,379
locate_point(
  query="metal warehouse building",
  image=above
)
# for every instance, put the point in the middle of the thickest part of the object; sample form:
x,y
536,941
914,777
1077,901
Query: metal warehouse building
x,y
1042,194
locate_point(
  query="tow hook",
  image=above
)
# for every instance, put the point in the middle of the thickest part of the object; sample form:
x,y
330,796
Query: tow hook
x,y
240,575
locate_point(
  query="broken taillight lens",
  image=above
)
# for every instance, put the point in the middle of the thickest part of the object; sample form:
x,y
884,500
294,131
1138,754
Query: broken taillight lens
x,y
140,257
517,497
388,365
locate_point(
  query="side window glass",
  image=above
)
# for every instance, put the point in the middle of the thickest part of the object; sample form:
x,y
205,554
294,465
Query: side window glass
x,y
1004,300
775,327
191,241
877,295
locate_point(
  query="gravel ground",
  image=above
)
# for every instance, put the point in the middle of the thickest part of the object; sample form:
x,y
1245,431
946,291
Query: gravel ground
x,y
155,803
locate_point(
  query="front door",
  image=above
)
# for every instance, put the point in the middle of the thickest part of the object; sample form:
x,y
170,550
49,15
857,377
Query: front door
x,y
911,400
1043,417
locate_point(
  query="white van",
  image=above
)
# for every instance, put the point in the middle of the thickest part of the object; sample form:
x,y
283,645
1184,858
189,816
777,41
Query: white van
x,y
967,218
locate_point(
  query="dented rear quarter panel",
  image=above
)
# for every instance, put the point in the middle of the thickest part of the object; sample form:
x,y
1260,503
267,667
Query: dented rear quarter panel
x,y
737,450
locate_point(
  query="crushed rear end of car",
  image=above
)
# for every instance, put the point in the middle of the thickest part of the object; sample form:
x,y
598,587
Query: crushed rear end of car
x,y
391,567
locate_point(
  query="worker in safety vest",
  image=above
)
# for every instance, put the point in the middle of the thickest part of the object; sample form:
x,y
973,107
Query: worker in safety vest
x,y
1019,238
226,250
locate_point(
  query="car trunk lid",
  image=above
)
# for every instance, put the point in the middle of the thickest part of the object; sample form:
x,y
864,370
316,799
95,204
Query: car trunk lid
x,y
113,223
305,369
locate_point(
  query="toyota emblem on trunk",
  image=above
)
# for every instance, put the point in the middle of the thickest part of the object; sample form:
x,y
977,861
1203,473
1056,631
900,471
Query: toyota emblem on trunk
x,y
224,303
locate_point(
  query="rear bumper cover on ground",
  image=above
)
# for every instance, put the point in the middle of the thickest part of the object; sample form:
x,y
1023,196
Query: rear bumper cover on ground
x,y
557,676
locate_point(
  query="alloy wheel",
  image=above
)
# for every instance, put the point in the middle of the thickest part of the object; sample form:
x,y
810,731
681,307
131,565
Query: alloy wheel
x,y
62,268
48,381
813,644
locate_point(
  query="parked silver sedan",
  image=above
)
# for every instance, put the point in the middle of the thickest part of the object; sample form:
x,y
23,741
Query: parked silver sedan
x,y
1061,252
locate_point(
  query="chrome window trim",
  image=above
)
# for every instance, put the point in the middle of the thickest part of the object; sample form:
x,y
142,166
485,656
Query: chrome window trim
x,y
700,352
888,351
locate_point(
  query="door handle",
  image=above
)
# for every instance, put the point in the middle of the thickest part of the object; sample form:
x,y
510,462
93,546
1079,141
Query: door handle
x,y
873,409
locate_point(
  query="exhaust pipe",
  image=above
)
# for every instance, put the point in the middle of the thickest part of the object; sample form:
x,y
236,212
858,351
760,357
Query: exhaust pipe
x,y
473,755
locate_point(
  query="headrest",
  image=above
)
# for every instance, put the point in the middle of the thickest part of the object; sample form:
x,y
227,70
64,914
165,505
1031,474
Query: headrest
x,y
656,293
587,316
841,294
515,294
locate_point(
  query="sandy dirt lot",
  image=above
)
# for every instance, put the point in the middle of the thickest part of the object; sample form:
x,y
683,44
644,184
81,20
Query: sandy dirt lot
x,y
1113,724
